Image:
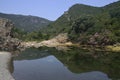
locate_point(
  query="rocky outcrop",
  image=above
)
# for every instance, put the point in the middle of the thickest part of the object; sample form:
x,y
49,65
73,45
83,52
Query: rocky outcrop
x,y
99,39
7,42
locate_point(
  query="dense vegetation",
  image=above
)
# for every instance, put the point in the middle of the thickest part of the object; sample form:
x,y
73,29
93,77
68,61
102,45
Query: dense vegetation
x,y
29,36
26,23
91,25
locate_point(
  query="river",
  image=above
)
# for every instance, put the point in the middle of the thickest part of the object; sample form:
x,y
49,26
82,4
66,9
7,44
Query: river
x,y
78,64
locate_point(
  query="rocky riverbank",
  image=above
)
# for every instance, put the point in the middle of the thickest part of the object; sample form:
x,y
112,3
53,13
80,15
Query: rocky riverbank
x,y
60,42
9,44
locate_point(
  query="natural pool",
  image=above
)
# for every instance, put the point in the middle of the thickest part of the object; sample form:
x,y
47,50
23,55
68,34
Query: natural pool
x,y
50,64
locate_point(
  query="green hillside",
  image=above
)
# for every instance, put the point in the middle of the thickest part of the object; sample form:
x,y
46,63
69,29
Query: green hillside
x,y
26,23
91,25
63,23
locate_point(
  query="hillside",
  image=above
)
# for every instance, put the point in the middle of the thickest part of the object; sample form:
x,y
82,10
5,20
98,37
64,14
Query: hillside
x,y
89,25
64,22
26,23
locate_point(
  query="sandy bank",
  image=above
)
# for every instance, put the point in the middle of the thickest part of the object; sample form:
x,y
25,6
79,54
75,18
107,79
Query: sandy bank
x,y
5,58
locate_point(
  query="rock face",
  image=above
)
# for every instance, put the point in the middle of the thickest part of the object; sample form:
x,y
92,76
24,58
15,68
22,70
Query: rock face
x,y
7,42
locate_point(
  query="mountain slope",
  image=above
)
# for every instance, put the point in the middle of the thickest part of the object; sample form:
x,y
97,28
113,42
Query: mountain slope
x,y
89,25
26,23
64,22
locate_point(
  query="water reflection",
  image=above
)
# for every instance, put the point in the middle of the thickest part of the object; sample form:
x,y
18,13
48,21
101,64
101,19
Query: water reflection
x,y
32,53
50,64
49,68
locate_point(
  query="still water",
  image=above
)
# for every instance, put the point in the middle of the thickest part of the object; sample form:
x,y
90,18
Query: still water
x,y
41,64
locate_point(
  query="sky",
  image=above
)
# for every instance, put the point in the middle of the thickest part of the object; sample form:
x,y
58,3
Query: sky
x,y
49,9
